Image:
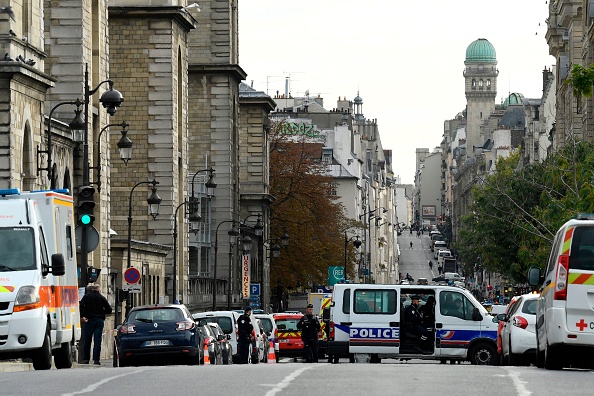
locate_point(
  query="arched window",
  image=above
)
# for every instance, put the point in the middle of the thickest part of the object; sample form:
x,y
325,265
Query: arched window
x,y
480,84
473,83
488,83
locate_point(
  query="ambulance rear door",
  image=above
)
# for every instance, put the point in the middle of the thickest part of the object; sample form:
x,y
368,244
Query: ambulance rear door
x,y
375,320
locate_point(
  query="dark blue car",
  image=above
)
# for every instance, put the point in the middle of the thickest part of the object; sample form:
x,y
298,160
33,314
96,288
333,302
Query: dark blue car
x,y
159,331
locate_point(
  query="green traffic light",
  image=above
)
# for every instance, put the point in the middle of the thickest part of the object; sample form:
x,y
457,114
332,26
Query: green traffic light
x,y
85,219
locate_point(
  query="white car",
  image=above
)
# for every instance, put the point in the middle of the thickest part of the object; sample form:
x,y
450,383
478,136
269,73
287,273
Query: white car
x,y
228,322
518,336
441,254
271,330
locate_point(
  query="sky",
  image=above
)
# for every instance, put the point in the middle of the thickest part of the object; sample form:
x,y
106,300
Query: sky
x,y
404,58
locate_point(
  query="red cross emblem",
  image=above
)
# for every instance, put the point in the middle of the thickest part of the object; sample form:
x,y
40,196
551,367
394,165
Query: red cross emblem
x,y
581,324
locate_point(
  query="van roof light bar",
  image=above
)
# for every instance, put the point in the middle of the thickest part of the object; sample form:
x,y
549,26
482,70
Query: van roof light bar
x,y
10,191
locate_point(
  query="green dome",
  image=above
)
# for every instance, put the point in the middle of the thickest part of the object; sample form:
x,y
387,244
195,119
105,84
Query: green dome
x,y
513,99
481,50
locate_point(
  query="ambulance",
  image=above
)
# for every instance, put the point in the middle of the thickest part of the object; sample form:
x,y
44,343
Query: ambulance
x,y
367,323
39,316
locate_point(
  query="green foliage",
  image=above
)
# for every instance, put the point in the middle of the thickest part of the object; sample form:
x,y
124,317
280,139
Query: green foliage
x,y
515,213
581,80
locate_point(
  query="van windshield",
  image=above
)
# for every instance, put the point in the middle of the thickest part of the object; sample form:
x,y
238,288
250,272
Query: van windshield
x,y
17,249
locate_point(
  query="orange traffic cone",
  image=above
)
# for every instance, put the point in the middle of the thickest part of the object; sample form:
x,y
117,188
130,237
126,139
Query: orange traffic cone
x,y
206,356
271,354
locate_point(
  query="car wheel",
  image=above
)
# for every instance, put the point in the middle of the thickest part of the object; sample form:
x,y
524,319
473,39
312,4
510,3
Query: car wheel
x,y
483,354
63,356
552,358
42,358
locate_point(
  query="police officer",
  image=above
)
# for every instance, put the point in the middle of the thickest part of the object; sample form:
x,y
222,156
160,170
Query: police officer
x,y
310,327
414,320
245,329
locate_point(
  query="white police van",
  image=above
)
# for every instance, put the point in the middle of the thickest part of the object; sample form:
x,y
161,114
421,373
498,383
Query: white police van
x,y
367,323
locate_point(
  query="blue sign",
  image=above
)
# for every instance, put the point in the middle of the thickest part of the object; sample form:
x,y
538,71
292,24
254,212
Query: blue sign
x,y
323,289
254,289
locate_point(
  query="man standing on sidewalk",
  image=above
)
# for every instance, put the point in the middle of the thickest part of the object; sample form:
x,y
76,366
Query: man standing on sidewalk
x,y
93,308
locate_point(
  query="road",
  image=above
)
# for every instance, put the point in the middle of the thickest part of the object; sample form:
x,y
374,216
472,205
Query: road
x,y
391,377
415,261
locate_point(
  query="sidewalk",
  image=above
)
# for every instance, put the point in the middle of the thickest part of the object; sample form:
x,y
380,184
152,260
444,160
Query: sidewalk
x,y
12,366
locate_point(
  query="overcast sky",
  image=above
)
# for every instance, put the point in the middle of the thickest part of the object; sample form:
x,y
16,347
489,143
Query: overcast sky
x,y
405,58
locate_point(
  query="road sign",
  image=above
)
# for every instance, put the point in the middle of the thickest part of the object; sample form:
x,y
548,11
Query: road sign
x,y
92,237
254,289
132,288
335,274
132,276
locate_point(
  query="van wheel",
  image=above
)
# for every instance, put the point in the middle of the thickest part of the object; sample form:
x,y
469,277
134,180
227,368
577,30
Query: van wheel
x,y
42,358
552,359
483,354
63,356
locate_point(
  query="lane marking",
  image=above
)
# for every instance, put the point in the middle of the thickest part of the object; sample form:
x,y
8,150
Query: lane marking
x,y
93,387
518,383
286,381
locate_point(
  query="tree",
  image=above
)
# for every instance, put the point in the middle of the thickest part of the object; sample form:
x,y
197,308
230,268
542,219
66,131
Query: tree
x,y
306,209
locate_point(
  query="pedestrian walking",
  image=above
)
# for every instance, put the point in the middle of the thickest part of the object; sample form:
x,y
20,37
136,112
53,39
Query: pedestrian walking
x,y
245,329
310,327
430,264
439,269
93,308
410,244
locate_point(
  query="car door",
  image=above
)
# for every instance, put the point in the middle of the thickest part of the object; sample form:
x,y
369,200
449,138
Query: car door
x,y
505,331
454,327
375,316
580,282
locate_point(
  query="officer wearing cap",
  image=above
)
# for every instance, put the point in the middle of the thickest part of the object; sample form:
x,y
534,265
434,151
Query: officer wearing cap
x,y
310,327
414,319
245,329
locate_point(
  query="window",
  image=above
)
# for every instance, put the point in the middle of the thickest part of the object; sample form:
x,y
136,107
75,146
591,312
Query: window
x,y
473,84
455,304
69,250
346,301
377,302
223,321
529,307
480,84
327,156
287,325
555,250
489,84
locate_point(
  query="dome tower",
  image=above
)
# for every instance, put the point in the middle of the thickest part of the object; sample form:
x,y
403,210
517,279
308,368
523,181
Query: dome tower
x,y
480,75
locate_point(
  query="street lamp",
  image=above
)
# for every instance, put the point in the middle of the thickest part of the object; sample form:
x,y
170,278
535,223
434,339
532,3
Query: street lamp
x,y
357,243
154,201
233,233
124,145
111,100
49,168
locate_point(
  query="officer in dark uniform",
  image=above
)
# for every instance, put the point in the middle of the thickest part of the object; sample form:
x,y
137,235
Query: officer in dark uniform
x,y
414,320
310,327
245,329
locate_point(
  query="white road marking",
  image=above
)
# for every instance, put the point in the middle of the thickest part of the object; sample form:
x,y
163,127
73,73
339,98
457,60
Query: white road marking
x,y
286,381
518,383
93,387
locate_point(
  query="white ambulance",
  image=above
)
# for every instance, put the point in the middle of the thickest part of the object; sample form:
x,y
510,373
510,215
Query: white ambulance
x,y
39,314
367,323
565,309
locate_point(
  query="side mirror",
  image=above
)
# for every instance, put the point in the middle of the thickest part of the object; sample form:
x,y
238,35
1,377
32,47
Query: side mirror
x,y
202,322
58,265
534,276
495,320
501,317
476,315
221,337
228,336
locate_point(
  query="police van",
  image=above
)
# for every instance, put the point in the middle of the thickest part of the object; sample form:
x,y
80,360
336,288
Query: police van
x,y
367,323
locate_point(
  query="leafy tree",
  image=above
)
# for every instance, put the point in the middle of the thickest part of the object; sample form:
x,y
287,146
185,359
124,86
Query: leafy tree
x,y
306,209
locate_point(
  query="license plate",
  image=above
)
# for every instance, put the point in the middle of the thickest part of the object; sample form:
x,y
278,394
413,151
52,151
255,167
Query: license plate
x,y
157,343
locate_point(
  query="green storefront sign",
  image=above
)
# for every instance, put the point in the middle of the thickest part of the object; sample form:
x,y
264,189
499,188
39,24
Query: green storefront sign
x,y
335,275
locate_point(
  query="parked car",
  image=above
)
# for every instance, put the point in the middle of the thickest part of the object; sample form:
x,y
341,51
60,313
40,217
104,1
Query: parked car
x,y
260,344
422,281
212,344
270,329
225,345
439,247
228,322
442,254
289,338
152,331
518,336
501,323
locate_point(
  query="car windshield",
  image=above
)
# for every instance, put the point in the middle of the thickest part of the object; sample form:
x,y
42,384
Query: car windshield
x,y
287,324
17,249
267,324
151,315
223,321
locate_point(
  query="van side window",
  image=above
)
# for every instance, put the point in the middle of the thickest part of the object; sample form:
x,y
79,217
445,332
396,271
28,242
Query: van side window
x,y
346,301
582,249
455,304
554,251
379,302
69,239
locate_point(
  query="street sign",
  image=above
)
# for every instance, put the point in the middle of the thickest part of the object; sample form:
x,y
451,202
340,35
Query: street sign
x,y
335,274
132,275
132,288
92,237
254,289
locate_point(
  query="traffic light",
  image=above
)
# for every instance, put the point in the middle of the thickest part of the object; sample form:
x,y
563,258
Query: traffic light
x,y
85,205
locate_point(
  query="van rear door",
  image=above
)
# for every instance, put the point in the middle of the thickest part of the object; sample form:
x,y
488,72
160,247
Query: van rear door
x,y
375,320
580,282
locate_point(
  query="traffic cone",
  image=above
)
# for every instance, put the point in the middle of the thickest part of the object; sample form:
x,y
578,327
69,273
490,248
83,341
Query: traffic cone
x,y
206,356
271,353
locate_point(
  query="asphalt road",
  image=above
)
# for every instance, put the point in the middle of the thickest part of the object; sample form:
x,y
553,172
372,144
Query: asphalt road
x,y
415,260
